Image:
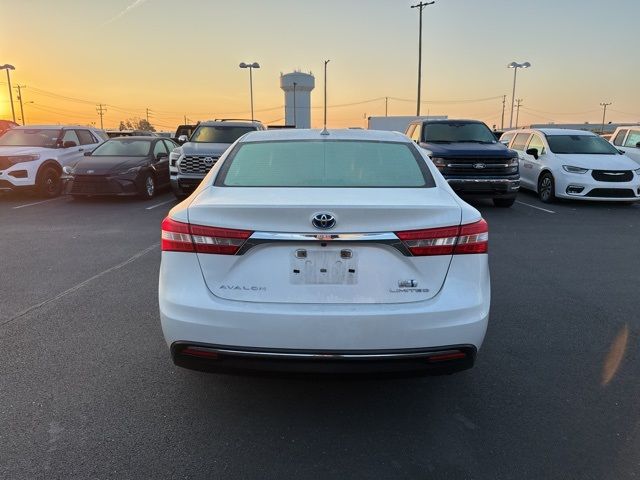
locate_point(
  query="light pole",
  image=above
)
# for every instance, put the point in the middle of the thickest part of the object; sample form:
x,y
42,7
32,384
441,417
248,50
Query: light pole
x,y
604,106
250,66
515,66
8,67
421,7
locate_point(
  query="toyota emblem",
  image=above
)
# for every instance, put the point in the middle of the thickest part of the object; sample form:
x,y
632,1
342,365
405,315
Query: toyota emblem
x,y
323,221
208,161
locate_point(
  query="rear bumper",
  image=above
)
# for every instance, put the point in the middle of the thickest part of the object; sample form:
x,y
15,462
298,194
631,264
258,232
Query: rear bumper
x,y
223,359
485,186
191,315
184,185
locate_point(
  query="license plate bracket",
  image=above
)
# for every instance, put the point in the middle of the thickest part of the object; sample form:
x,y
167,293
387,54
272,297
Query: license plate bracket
x,y
324,266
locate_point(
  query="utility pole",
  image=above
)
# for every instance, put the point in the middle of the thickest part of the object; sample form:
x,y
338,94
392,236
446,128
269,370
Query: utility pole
x,y
386,106
19,88
504,101
324,130
420,6
101,109
148,114
518,103
604,106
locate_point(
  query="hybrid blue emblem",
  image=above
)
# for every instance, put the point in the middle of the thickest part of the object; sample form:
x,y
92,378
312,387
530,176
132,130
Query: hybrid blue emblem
x,y
323,221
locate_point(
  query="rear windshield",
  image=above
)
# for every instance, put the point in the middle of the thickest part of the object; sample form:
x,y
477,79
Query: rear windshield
x,y
221,134
580,144
325,163
448,132
121,147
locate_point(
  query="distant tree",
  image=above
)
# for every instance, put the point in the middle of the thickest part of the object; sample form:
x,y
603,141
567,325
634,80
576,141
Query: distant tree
x,y
136,124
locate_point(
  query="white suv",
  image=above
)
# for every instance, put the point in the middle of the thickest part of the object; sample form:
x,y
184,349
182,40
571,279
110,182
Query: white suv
x,y
34,156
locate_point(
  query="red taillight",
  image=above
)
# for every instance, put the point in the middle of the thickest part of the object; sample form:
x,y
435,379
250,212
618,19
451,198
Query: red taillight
x,y
176,237
463,239
184,237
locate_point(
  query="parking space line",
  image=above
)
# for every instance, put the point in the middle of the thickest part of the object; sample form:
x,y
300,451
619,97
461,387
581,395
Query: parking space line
x,y
78,286
533,206
160,204
36,203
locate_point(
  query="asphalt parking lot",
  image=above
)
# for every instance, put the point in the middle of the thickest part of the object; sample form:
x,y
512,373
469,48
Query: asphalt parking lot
x,y
87,389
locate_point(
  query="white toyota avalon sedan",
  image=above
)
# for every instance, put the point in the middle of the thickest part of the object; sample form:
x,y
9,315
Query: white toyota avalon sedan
x,y
343,252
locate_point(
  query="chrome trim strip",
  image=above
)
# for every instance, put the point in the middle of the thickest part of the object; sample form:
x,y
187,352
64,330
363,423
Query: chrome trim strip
x,y
325,237
483,180
325,356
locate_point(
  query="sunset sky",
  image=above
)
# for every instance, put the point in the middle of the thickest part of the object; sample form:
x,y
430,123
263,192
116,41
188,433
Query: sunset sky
x,y
181,58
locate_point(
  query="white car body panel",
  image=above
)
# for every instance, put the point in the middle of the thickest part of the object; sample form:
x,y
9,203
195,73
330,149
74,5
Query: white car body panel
x,y
628,142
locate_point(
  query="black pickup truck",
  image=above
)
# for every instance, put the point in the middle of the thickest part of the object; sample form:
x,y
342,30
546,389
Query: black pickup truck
x,y
471,159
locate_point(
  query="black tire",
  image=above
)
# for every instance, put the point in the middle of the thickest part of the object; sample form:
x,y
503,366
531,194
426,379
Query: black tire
x,y
48,182
546,188
504,202
148,187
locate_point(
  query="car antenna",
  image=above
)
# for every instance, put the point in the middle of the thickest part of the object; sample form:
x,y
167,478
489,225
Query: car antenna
x,y
324,129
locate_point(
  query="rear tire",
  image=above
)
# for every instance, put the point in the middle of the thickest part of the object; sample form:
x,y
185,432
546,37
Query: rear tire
x,y
148,189
48,182
504,202
546,188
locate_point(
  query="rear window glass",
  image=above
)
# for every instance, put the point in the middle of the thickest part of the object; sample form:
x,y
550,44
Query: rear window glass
x,y
221,134
325,164
122,147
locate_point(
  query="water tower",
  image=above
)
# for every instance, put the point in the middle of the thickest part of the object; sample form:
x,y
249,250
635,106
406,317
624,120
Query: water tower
x,y
297,88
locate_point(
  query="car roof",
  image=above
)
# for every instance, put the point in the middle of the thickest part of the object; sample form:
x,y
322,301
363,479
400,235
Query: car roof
x,y
448,120
230,123
562,131
57,127
314,134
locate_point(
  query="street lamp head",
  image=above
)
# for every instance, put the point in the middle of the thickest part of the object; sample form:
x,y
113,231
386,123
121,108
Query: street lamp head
x,y
6,66
255,65
249,65
519,65
243,65
525,65
512,65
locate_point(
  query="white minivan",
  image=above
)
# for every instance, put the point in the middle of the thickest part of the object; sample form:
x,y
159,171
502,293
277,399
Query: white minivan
x,y
559,163
628,140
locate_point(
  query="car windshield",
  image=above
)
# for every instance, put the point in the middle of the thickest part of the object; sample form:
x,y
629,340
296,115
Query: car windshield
x,y
314,163
219,134
447,132
580,144
31,137
121,147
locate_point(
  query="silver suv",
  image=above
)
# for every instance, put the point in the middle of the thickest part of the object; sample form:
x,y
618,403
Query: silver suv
x,y
190,163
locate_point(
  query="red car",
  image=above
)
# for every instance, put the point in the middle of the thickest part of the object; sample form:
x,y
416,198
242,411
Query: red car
x,y
6,125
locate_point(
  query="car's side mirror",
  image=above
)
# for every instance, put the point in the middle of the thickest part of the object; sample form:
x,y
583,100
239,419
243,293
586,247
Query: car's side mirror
x,y
183,139
533,152
161,155
88,153
69,144
621,152
638,145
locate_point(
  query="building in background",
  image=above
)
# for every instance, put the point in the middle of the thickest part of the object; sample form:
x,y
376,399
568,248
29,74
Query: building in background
x,y
297,88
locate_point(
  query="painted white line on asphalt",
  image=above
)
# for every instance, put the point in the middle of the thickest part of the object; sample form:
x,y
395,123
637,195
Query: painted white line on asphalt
x,y
37,203
533,206
160,204
81,284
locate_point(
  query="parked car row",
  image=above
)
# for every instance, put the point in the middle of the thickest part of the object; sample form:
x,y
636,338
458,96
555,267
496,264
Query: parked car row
x,y
554,163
